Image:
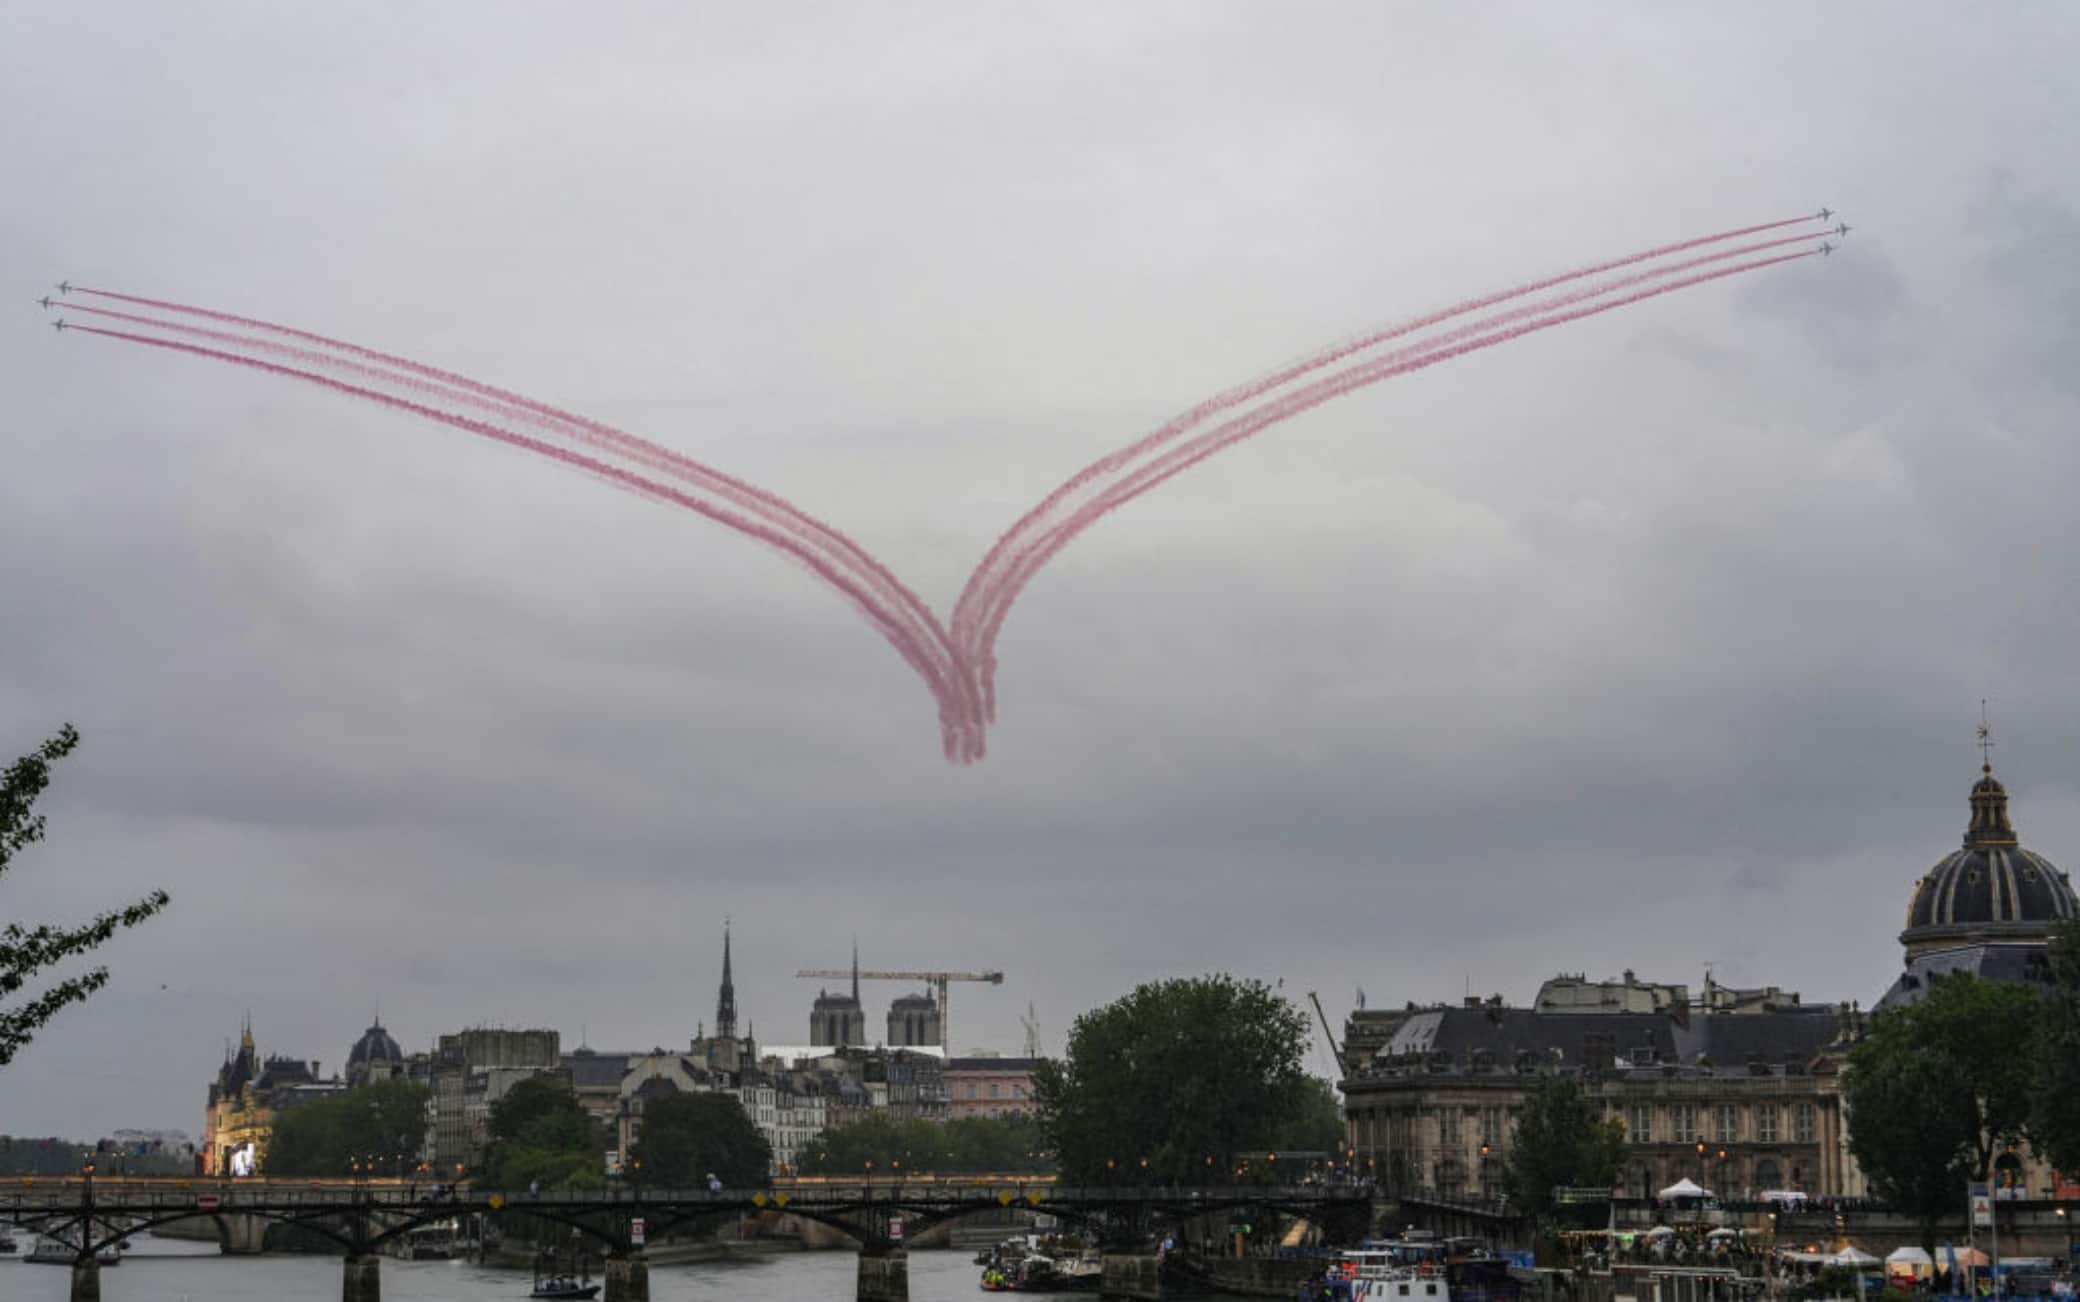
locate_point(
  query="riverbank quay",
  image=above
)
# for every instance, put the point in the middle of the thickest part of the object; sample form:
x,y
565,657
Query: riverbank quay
x,y
2031,1228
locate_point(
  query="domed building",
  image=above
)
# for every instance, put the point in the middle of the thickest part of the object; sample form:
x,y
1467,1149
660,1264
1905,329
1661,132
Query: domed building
x,y
1987,908
375,1056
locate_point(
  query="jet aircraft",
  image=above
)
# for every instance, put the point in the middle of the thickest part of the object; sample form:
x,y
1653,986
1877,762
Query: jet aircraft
x,y
1826,213
1841,228
1826,249
65,286
45,302
58,324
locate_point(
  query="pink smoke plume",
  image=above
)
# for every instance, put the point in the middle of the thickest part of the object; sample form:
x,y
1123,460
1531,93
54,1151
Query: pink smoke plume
x,y
956,660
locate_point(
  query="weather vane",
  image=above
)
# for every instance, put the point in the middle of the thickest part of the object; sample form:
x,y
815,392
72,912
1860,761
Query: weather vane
x,y
1985,737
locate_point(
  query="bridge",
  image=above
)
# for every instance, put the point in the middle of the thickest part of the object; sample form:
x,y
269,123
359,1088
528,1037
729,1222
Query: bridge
x,y
361,1217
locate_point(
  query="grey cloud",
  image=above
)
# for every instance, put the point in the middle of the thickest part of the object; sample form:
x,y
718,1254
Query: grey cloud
x,y
1646,642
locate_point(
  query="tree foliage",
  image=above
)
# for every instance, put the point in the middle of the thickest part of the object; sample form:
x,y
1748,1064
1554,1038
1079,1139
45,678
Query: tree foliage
x,y
1183,1075
2055,1115
1562,1140
687,1137
382,1127
1936,1089
964,1146
26,951
540,1133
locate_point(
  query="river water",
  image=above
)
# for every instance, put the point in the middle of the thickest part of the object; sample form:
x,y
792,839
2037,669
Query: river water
x,y
165,1270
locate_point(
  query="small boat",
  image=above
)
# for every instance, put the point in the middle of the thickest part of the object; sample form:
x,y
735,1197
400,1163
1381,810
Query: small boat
x,y
561,1277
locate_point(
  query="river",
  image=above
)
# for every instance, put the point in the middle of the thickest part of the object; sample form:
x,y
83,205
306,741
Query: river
x,y
167,1270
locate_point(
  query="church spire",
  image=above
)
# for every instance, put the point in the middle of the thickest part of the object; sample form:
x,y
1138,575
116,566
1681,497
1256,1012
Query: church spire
x,y
855,970
726,998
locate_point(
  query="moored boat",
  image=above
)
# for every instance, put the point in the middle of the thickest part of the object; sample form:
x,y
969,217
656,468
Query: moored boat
x,y
563,1278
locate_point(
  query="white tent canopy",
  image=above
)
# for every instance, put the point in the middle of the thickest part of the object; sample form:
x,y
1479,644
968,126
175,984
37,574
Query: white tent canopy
x,y
1686,1188
1660,1232
1909,1256
1724,1232
1851,1255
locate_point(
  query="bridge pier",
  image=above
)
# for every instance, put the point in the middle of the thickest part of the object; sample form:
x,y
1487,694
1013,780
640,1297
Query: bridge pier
x,y
1135,1275
241,1236
362,1280
884,1274
86,1279
628,1280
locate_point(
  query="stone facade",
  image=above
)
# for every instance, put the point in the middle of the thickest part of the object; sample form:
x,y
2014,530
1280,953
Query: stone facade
x,y
244,1100
991,1087
1740,1102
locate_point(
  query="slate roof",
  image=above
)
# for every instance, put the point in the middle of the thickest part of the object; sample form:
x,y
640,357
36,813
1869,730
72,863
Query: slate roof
x,y
1501,1040
1995,961
592,1070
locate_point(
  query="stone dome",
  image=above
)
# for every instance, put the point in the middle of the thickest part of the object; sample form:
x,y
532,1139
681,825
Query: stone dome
x,y
374,1046
1992,889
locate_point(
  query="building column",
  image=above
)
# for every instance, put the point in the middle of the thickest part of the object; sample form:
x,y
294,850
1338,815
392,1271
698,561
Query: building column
x,y
628,1280
361,1278
86,1279
884,1275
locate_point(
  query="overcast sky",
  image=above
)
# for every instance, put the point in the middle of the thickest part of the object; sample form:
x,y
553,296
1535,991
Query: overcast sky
x,y
1653,642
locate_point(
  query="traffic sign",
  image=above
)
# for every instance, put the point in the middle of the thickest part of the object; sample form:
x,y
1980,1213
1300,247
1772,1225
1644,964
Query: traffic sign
x,y
1982,1207
635,1230
205,1202
895,1229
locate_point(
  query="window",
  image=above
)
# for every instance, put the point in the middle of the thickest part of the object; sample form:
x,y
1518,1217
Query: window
x,y
1683,1118
1491,1127
1448,1125
1726,1122
993,1089
1640,1122
1802,1123
1766,1122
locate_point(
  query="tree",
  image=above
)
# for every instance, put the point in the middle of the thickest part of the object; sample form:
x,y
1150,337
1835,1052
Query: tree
x,y
540,1133
1936,1089
2054,1123
1174,1082
27,951
1314,1120
1009,1145
382,1125
687,1137
1562,1140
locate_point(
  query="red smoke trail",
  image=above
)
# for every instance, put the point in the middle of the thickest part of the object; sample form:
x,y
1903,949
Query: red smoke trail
x,y
890,629
927,628
1036,554
1010,539
958,664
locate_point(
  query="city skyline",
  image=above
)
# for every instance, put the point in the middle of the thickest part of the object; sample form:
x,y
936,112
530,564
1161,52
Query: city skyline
x,y
1657,643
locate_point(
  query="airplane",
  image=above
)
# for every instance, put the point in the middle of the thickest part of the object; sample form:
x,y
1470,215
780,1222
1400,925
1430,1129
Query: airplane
x,y
1842,228
45,302
1826,249
1826,213
58,324
65,286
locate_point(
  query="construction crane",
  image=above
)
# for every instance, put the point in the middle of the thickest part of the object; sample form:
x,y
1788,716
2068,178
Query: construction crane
x,y
1335,1049
938,981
